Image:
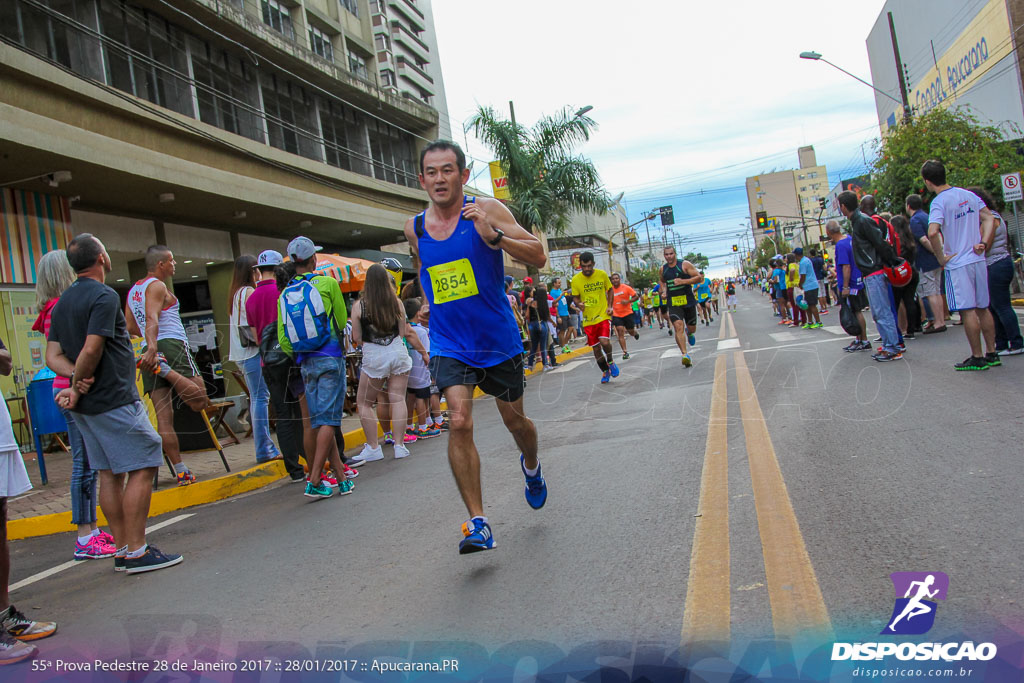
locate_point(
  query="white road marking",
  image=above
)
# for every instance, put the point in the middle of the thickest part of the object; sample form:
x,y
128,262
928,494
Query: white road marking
x,y
728,344
568,366
783,336
835,329
672,353
786,346
74,563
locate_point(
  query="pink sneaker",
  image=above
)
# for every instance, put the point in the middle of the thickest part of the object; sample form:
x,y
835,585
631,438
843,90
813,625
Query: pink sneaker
x,y
106,538
95,549
409,438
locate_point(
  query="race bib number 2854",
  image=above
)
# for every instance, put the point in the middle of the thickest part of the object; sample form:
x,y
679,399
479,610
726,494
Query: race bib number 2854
x,y
452,281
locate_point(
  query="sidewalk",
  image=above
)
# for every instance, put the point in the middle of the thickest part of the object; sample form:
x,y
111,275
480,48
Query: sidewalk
x,y
47,509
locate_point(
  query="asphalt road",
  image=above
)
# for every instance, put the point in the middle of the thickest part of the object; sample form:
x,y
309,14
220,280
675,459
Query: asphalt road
x,y
823,473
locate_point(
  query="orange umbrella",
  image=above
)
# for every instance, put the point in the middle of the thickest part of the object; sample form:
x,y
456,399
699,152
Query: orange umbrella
x,y
349,272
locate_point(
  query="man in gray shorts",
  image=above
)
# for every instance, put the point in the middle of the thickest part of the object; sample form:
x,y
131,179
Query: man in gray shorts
x,y
88,343
929,286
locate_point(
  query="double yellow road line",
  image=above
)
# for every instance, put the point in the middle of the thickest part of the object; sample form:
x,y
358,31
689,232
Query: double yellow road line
x,y
797,605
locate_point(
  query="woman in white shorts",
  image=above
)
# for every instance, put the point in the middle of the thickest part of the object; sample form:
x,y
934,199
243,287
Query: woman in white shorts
x,y
15,627
378,324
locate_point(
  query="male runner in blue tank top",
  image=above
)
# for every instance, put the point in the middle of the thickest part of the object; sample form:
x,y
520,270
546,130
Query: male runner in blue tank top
x,y
474,341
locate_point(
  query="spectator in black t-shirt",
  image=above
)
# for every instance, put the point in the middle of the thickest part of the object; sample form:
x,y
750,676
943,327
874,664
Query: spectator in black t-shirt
x,y
88,343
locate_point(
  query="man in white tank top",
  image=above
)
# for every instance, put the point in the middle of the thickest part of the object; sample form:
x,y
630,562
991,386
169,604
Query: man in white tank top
x,y
167,365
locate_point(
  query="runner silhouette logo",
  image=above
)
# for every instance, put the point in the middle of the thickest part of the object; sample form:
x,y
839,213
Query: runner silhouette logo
x,y
916,593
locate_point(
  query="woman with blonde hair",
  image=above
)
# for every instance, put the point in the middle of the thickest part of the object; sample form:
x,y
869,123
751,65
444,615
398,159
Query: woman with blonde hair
x,y
378,323
53,275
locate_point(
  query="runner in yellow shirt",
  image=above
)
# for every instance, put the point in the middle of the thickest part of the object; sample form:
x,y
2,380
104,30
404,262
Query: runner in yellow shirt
x,y
592,291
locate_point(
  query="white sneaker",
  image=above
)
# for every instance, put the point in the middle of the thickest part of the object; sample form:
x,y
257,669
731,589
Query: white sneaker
x,y
1011,352
370,454
401,451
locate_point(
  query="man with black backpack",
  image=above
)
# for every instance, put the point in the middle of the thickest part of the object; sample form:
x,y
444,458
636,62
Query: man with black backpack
x,y
261,312
310,327
872,253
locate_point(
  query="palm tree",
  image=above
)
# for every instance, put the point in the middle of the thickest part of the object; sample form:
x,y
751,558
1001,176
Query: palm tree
x,y
547,182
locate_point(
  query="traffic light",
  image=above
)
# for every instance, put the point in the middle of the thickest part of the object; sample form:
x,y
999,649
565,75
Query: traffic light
x,y
762,219
667,218
825,256
821,203
735,248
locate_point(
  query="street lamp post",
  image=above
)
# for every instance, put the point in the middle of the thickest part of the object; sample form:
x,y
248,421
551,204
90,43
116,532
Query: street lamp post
x,y
816,57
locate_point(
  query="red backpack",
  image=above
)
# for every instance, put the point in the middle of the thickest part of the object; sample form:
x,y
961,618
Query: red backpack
x,y
901,273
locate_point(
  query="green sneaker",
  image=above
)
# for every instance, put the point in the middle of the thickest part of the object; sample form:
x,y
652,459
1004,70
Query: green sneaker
x,y
807,326
346,487
992,360
320,491
817,326
566,349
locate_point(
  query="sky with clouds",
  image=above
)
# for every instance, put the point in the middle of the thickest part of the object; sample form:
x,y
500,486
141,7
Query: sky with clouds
x,y
690,98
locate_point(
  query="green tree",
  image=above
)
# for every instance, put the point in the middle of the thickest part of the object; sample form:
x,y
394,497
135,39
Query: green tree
x,y
973,154
698,259
547,181
767,248
642,278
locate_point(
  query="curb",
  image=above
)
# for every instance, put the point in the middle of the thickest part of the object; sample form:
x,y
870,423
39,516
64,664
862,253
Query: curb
x,y
201,492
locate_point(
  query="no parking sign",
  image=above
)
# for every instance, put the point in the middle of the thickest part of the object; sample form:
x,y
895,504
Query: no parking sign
x,y
1012,191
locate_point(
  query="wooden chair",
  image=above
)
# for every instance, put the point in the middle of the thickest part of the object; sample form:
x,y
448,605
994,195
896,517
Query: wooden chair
x,y
23,423
240,378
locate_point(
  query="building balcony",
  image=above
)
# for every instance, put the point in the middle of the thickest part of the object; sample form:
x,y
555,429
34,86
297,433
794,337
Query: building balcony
x,y
408,40
410,11
417,77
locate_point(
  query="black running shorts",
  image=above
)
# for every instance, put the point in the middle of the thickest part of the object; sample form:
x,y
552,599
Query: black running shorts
x,y
629,321
687,314
503,381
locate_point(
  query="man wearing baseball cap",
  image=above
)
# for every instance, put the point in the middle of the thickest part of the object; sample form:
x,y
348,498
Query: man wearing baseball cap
x,y
310,327
261,313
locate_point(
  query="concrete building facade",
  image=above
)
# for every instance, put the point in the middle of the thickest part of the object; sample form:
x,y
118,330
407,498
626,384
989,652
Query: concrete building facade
x,y
217,127
955,53
407,54
791,197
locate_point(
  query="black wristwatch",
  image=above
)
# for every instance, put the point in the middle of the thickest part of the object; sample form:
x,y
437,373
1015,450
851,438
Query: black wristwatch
x,y
497,239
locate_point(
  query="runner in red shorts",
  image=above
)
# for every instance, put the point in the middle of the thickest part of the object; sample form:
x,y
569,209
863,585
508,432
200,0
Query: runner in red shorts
x,y
592,291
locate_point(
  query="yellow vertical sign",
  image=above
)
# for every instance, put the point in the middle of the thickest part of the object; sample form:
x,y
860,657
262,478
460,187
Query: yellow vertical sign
x,y
499,181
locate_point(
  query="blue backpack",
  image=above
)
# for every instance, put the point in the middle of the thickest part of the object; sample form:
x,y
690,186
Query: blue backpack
x,y
306,324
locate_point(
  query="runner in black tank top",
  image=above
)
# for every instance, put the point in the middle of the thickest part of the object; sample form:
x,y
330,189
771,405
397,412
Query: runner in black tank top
x,y
677,280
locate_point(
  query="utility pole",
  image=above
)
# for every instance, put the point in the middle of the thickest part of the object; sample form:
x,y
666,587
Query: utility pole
x,y
512,108
899,70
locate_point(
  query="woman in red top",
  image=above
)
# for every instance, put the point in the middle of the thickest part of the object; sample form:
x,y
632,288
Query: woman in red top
x,y
53,276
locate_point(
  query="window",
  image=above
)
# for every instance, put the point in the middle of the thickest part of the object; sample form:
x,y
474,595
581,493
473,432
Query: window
x,y
351,5
812,174
225,89
393,153
287,111
803,189
387,78
357,65
278,17
320,43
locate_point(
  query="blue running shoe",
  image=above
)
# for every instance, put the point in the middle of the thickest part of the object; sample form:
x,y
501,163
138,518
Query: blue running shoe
x,y
536,487
686,360
615,370
691,339
478,537
606,377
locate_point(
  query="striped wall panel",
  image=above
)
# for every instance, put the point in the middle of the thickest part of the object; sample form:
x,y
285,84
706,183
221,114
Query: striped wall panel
x,y
31,224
